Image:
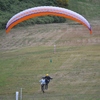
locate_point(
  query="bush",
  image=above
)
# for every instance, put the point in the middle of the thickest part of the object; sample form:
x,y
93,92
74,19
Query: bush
x,y
62,3
8,8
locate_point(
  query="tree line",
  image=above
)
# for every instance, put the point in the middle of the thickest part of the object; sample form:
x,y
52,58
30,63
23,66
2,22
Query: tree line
x,y
8,8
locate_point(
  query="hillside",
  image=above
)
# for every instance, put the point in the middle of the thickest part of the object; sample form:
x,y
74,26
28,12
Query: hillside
x,y
50,34
66,51
88,8
27,54
23,35
8,8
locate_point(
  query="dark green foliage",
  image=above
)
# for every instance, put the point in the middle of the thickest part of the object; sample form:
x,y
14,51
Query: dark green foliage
x,y
8,8
62,3
5,5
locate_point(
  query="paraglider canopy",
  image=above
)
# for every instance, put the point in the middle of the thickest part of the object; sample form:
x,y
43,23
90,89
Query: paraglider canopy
x,y
43,11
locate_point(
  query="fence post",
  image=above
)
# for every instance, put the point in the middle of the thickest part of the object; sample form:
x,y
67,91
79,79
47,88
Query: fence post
x,y
54,48
21,94
17,95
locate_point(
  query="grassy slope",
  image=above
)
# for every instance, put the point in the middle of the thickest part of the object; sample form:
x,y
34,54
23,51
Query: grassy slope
x,y
87,8
75,71
74,67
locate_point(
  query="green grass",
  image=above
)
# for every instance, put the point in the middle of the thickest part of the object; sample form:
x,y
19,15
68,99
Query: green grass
x,y
75,66
75,69
87,8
